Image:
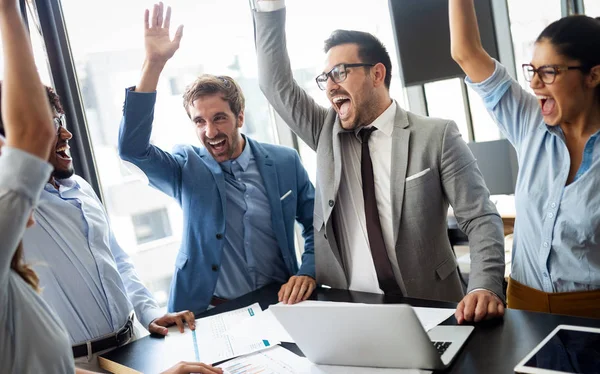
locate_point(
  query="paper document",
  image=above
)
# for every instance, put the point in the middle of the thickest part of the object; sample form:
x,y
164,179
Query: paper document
x,y
211,343
262,326
279,360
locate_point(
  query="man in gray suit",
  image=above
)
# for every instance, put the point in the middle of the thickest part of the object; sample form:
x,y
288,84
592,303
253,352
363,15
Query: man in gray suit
x,y
385,177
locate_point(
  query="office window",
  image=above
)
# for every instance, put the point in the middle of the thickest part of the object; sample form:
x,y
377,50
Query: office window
x,y
592,8
218,39
305,45
37,44
151,226
484,127
445,100
527,20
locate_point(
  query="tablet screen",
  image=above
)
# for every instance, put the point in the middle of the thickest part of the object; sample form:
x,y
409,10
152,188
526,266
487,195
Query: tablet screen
x,y
569,351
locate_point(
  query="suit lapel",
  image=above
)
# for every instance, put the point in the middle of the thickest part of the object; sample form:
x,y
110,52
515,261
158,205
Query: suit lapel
x,y
400,139
271,182
337,176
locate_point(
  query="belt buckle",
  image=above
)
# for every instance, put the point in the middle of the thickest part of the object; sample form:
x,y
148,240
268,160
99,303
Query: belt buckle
x,y
124,335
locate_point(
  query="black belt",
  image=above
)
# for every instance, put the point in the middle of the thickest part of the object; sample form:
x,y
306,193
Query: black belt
x,y
216,301
119,338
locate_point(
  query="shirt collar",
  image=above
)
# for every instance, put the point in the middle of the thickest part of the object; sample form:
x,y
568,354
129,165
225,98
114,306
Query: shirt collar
x,y
385,121
64,185
243,159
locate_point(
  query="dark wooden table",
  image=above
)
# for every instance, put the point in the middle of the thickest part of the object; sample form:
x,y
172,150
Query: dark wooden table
x,y
494,347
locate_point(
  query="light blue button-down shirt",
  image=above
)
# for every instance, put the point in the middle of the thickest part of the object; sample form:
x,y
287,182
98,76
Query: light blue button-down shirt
x,y
557,229
32,338
251,255
85,275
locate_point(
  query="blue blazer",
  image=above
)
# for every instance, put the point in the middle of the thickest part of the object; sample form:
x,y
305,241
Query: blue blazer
x,y
191,176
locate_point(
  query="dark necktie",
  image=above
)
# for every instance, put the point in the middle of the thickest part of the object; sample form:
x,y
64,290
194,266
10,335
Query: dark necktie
x,y
383,267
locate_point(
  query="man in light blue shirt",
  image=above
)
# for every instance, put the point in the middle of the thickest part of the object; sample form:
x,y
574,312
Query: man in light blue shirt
x,y
240,198
85,275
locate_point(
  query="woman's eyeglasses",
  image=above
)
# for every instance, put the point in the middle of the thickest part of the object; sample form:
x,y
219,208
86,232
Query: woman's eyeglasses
x,y
547,73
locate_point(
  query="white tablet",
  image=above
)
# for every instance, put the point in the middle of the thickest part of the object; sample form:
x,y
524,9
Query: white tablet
x,y
567,349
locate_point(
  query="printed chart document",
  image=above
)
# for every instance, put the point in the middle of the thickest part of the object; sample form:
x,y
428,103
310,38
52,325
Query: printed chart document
x,y
211,344
278,360
262,326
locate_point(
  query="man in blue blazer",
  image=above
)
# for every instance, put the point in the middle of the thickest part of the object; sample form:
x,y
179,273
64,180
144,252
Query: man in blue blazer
x,y
240,198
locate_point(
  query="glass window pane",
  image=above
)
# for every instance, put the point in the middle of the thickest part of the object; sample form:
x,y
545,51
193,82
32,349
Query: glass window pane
x,y
108,59
445,100
39,50
527,20
484,127
592,8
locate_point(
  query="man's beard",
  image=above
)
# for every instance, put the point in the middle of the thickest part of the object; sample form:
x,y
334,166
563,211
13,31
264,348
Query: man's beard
x,y
365,112
63,174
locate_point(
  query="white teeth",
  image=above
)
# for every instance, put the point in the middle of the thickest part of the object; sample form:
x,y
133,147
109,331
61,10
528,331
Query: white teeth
x,y
217,142
337,99
541,97
62,149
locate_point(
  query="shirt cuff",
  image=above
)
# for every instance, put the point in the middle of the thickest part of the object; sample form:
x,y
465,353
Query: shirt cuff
x,y
23,172
269,6
484,289
150,315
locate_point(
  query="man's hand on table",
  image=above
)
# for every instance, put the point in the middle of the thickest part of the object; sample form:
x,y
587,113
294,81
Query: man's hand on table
x,y
297,289
479,305
159,325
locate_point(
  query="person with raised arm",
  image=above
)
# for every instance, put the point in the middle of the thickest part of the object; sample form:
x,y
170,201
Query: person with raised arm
x,y
240,198
555,130
32,337
385,177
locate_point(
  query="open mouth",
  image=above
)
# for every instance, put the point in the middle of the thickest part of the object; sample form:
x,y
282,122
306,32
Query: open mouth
x,y
342,105
547,104
63,153
218,145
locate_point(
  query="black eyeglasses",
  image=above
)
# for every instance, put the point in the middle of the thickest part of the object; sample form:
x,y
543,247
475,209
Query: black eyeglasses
x,y
338,74
547,73
59,123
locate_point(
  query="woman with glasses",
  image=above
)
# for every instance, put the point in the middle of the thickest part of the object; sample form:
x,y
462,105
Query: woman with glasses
x,y
556,254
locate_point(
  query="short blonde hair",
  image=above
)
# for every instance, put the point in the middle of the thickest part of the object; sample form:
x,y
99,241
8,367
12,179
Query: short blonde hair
x,y
208,84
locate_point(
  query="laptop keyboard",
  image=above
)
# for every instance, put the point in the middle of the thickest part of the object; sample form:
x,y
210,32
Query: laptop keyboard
x,y
441,346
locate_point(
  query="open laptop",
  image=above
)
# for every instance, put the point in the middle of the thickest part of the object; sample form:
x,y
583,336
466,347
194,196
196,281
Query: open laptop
x,y
371,335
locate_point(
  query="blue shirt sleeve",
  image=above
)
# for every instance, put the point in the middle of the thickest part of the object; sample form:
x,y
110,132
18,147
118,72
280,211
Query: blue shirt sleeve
x,y
22,178
515,111
162,168
146,308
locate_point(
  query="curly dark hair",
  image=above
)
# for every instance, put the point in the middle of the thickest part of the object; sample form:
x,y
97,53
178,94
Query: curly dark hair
x,y
53,99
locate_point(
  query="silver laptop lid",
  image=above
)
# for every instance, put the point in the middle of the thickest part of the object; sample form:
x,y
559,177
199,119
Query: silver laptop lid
x,y
373,335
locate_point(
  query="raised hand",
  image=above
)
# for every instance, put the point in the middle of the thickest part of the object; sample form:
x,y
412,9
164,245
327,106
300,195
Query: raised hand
x,y
159,46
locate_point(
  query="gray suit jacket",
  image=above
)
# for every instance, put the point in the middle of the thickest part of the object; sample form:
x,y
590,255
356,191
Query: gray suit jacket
x,y
420,205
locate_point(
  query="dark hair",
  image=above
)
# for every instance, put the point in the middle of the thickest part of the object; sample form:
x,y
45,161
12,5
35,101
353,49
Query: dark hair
x,y
53,99
208,84
370,49
576,37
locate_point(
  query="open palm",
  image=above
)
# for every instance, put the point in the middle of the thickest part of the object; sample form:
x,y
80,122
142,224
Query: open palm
x,y
158,43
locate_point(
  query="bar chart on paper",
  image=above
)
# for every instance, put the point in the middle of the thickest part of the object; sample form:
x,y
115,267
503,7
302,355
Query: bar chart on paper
x,y
277,360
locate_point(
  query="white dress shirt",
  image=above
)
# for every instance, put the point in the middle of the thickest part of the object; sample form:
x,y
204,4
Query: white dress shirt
x,y
352,235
